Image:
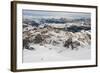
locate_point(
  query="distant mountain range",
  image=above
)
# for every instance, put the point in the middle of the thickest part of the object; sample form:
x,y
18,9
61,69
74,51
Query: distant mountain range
x,y
38,21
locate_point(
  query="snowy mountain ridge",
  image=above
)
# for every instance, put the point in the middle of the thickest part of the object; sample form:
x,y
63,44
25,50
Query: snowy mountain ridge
x,y
50,35
56,41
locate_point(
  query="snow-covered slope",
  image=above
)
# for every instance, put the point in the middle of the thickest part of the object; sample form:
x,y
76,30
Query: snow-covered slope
x,y
51,43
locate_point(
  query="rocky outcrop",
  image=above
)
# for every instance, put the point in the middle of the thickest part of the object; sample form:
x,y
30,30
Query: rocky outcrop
x,y
55,37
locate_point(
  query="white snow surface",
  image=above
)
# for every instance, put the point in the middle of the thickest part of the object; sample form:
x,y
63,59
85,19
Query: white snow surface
x,y
58,53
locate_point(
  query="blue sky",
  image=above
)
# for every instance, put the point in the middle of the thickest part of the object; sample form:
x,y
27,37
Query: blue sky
x,y
38,13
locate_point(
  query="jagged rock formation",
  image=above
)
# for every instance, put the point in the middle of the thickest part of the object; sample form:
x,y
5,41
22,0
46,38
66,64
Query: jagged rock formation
x,y
55,37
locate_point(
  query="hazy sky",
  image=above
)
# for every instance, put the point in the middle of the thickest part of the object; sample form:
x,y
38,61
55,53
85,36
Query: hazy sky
x,y
38,13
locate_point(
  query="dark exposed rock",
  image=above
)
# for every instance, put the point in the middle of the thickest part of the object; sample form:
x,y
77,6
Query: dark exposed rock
x,y
43,32
55,43
45,36
35,29
77,28
31,48
89,36
68,43
26,43
24,26
38,39
33,23
73,45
